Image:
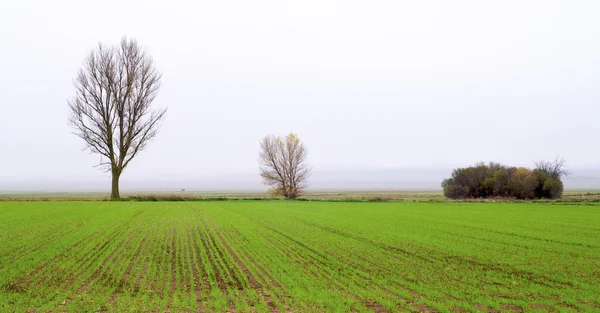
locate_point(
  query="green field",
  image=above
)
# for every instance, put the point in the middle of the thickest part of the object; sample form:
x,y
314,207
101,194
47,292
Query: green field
x,y
265,256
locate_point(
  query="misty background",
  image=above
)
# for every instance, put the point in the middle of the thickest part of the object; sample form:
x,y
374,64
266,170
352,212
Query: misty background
x,y
407,179
385,94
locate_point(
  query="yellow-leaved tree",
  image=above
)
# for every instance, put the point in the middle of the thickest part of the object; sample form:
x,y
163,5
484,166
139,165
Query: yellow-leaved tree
x,y
283,165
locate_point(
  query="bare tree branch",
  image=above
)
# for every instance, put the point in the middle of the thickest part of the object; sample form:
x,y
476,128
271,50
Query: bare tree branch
x,y
555,169
283,165
111,109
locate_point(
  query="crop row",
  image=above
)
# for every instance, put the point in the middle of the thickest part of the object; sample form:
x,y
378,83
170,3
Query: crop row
x,y
297,257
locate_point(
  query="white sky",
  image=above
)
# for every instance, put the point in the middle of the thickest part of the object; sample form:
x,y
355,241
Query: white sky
x,y
366,84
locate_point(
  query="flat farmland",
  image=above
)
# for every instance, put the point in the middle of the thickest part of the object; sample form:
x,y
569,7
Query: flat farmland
x,y
277,256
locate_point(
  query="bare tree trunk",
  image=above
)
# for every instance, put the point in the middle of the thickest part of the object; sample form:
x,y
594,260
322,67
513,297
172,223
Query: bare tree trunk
x,y
283,165
114,192
112,108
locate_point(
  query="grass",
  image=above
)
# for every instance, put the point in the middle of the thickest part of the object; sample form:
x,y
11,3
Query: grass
x,y
265,256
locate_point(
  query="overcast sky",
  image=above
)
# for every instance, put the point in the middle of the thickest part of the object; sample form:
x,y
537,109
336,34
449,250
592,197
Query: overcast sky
x,y
365,84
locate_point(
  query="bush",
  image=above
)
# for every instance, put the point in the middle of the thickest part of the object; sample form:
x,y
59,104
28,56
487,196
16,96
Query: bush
x,y
553,188
522,184
455,191
496,180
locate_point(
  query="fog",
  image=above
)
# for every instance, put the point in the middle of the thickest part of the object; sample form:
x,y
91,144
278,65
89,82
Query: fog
x,y
385,94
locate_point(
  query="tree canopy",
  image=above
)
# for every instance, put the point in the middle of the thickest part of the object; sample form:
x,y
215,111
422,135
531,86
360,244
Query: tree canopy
x,y
496,180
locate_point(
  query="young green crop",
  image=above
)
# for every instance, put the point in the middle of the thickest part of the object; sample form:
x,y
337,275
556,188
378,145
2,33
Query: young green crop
x,y
279,256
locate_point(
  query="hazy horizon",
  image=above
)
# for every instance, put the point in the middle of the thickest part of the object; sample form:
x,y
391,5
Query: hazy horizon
x,y
417,179
366,86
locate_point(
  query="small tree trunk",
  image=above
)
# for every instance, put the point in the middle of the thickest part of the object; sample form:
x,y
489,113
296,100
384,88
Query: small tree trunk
x,y
114,192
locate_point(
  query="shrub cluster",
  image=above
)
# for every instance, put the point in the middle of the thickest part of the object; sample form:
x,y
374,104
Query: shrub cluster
x,y
497,180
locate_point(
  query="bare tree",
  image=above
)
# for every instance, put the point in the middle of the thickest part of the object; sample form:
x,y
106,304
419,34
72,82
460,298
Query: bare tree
x,y
554,169
283,165
111,110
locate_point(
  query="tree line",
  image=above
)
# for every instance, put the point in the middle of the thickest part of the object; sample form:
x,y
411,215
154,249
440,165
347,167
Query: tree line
x,y
112,113
496,180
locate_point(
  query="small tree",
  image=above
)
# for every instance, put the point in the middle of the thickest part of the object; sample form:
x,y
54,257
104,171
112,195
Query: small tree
x,y
522,183
283,165
554,169
549,174
111,110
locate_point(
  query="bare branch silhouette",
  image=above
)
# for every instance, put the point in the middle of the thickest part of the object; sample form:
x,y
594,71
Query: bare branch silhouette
x,y
283,165
111,109
555,169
